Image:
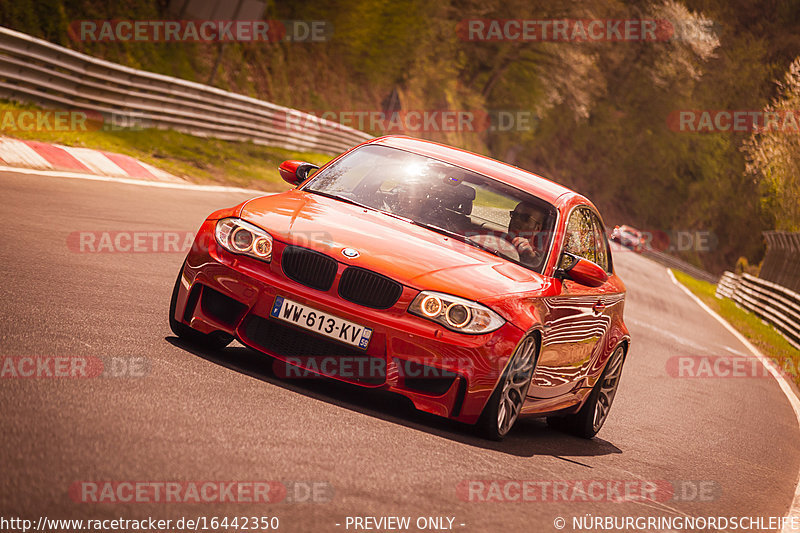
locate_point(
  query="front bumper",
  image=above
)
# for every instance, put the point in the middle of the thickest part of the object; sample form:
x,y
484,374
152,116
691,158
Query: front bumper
x,y
442,372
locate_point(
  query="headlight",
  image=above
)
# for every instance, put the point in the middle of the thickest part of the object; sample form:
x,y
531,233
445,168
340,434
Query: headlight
x,y
455,313
240,237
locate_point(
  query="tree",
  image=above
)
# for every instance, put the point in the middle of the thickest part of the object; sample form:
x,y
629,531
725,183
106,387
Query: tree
x,y
773,153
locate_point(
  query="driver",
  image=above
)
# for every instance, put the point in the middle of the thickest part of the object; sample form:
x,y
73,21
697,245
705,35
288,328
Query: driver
x,y
526,223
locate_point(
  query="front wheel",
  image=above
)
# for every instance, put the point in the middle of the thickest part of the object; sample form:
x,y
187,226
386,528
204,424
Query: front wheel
x,y
214,341
588,421
505,404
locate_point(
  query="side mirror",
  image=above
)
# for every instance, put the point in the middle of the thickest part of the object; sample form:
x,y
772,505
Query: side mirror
x,y
580,270
295,172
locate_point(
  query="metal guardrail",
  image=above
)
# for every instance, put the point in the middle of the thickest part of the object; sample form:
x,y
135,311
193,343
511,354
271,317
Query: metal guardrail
x,y
678,264
727,285
776,304
782,259
37,71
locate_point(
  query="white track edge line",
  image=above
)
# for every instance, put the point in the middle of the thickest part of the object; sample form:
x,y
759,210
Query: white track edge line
x,y
794,401
129,181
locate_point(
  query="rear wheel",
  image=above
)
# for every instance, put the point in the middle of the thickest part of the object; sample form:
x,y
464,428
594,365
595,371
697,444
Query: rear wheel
x,y
215,340
588,421
505,404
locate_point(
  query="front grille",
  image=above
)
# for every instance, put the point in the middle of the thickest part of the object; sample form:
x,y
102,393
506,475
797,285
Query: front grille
x,y
308,267
286,341
368,288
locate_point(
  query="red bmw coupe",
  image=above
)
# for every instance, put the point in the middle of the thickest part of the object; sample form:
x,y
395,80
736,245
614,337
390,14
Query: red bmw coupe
x,y
478,290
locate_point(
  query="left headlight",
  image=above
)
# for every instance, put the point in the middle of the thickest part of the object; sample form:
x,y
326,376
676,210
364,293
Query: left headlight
x,y
455,313
240,237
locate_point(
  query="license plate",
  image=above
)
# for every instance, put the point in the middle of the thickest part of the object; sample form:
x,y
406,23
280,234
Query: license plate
x,y
323,323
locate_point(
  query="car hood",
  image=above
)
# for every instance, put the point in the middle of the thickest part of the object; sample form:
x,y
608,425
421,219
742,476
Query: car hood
x,y
412,255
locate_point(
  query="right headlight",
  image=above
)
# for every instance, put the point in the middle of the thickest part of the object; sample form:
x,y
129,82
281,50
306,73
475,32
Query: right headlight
x,y
240,237
454,313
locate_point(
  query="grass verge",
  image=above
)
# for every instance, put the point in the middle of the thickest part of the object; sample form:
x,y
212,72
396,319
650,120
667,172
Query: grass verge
x,y
762,335
196,159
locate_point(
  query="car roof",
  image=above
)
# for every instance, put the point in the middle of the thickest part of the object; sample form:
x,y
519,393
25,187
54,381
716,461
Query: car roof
x,y
503,172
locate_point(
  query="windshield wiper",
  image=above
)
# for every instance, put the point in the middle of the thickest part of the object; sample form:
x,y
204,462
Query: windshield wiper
x,y
342,198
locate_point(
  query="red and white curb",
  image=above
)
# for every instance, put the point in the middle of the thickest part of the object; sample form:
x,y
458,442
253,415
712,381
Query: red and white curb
x,y
45,156
42,159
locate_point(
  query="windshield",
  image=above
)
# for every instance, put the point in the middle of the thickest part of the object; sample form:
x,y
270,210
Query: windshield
x,y
478,210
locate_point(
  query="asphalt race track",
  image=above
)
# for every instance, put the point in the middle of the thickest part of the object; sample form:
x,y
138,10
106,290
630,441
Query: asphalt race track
x,y
727,446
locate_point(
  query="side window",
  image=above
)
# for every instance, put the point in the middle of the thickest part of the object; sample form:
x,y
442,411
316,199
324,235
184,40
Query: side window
x,y
601,244
580,238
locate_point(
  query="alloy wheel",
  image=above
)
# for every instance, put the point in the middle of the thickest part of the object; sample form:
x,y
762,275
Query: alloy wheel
x,y
515,386
608,389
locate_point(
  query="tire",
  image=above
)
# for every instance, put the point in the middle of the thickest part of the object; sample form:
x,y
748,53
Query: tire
x,y
213,341
505,403
591,417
